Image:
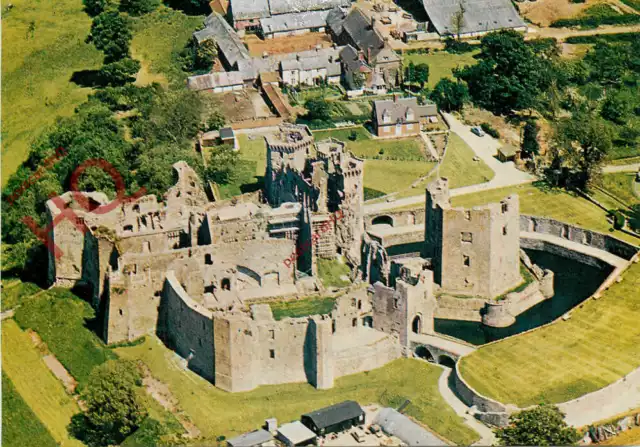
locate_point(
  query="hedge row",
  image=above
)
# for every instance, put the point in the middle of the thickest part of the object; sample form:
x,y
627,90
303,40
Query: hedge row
x,y
622,37
594,22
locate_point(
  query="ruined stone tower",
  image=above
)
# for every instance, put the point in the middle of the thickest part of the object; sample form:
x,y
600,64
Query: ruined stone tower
x,y
473,251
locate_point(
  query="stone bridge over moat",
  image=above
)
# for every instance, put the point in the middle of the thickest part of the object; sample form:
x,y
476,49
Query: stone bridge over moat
x,y
441,350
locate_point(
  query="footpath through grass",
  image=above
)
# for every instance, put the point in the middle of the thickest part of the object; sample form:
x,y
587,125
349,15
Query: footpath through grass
x,y
38,388
217,413
36,70
567,359
20,426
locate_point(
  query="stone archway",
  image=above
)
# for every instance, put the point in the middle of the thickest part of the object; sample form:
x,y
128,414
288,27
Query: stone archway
x,y
424,353
382,220
416,325
367,321
447,361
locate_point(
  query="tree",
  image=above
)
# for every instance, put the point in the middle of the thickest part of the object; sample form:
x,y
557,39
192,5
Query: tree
x,y
318,109
111,33
530,145
618,106
581,143
542,425
206,52
214,121
510,75
114,405
120,72
222,165
416,74
155,166
449,95
95,7
457,20
139,7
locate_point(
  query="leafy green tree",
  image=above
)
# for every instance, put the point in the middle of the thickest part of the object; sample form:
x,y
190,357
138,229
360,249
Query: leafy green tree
x,y
139,7
155,166
114,404
510,74
607,63
111,33
120,72
206,52
618,106
95,7
222,165
450,95
318,109
215,121
542,425
530,145
416,74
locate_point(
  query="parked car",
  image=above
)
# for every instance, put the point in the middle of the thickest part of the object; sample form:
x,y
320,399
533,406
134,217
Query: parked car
x,y
478,131
358,436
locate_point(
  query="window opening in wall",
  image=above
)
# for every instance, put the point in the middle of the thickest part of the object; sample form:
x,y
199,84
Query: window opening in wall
x,y
272,353
466,237
396,303
354,322
466,260
272,334
128,228
359,304
226,284
504,230
333,326
120,311
207,259
505,207
467,215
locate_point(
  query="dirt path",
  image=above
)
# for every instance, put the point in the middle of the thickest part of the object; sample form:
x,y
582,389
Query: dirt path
x,y
54,364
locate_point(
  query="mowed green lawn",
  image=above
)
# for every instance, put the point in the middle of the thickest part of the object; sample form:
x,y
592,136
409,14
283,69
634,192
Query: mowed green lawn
x,y
441,63
302,308
217,413
389,176
554,203
622,185
598,345
38,388
37,68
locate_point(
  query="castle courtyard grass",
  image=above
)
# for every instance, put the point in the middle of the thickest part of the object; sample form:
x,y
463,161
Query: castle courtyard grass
x,y
302,307
218,413
38,388
567,359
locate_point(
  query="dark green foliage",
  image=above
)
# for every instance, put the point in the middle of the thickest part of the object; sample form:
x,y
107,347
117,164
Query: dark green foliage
x,y
155,169
20,426
353,136
95,7
370,193
60,318
222,165
490,130
139,7
318,109
618,219
618,106
449,95
214,121
198,58
128,97
510,74
530,145
594,22
416,74
621,37
542,425
111,33
114,405
192,7
608,62
120,72
456,46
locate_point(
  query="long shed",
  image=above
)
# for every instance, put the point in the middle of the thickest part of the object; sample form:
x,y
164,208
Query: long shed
x,y
335,418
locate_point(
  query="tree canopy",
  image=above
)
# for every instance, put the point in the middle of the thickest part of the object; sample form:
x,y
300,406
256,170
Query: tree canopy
x,y
449,95
139,7
542,425
318,109
111,33
416,74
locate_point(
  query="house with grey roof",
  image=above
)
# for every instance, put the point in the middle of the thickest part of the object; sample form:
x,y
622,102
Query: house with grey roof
x,y
230,47
294,24
479,17
401,117
358,77
217,82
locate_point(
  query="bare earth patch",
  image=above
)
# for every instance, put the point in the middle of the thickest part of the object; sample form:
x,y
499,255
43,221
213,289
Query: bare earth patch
x,y
543,12
61,373
239,106
289,44
508,132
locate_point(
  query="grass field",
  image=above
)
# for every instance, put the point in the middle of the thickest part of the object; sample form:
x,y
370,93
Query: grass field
x,y
568,359
441,63
37,68
216,412
623,186
389,176
629,437
158,37
302,308
38,388
553,203
59,317
17,292
330,271
20,426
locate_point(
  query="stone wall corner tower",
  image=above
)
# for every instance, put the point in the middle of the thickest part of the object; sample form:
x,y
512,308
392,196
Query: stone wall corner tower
x,y
474,252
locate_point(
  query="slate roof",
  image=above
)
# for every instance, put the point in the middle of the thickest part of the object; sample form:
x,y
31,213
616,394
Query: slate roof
x,y
334,20
289,6
226,133
399,425
252,439
213,80
334,414
396,110
229,43
249,9
318,58
294,21
479,15
358,28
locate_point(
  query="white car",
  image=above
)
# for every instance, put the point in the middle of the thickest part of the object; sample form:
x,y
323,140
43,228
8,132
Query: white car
x,y
477,130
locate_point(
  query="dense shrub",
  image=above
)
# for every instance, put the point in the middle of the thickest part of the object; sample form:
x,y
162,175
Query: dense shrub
x,y
488,128
622,37
618,219
594,22
455,46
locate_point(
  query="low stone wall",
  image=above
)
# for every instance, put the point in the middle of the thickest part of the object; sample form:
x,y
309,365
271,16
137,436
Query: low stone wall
x,y
535,224
474,399
549,247
600,433
466,309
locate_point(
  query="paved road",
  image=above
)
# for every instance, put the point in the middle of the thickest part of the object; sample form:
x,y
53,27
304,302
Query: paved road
x,y
486,434
634,167
617,398
485,147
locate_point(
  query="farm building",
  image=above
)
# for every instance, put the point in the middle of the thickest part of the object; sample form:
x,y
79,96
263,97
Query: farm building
x,y
334,419
410,433
217,82
295,434
479,17
401,117
256,438
230,47
294,24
